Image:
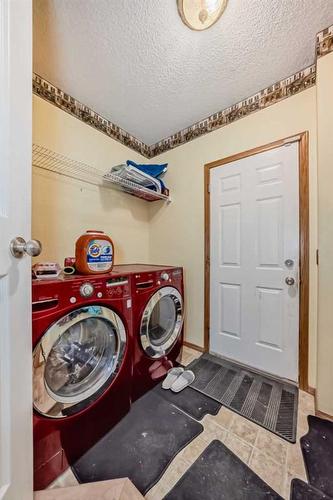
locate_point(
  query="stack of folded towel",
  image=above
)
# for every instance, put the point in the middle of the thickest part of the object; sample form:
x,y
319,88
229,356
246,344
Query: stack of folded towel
x,y
146,175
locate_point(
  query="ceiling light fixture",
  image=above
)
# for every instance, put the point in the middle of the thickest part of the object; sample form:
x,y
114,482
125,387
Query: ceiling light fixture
x,y
201,14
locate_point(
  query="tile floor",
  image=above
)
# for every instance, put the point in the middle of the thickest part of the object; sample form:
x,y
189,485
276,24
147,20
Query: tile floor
x,y
276,461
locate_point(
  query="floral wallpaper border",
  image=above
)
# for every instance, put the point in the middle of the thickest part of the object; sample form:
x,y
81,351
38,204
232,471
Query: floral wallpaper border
x,y
324,42
64,101
271,95
261,100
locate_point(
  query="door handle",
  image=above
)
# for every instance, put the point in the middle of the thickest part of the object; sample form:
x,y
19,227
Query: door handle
x,y
290,281
19,247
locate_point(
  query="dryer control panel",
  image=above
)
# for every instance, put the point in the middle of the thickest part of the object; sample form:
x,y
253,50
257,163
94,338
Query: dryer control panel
x,y
156,279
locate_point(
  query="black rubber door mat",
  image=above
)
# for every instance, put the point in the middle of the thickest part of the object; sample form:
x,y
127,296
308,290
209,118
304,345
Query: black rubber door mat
x,y
141,446
304,491
317,448
196,404
218,474
266,401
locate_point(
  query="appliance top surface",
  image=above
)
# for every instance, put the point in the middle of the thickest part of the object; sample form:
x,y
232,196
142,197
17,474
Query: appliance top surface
x,y
140,268
117,271
72,278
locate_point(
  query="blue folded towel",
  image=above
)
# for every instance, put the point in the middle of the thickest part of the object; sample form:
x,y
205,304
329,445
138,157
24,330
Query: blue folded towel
x,y
153,170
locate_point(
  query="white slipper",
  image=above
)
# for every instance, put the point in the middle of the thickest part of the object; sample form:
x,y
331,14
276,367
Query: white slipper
x,y
172,376
186,378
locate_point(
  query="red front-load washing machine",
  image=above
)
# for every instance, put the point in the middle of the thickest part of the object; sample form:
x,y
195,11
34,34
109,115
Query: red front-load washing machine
x,y
82,366
158,314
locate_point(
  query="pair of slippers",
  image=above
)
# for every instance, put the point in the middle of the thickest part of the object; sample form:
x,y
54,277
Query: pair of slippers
x,y
177,379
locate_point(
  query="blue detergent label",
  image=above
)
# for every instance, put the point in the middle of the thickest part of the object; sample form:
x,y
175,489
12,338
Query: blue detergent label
x,y
99,256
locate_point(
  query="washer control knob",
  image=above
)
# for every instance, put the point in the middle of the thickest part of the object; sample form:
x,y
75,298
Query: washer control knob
x,y
165,276
99,295
86,290
72,300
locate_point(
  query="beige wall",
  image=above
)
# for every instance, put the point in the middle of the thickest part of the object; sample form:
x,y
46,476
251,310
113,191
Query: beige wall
x,y
177,230
63,208
325,232
174,234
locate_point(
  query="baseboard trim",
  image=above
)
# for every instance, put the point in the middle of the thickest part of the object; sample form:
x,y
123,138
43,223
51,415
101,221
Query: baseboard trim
x,y
193,346
311,390
322,414
319,413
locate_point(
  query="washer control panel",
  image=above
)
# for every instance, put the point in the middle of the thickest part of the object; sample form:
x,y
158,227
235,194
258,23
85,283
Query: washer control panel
x,y
86,290
77,290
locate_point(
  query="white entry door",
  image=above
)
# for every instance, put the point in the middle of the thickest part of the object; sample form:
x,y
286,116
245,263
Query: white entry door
x,y
15,274
254,289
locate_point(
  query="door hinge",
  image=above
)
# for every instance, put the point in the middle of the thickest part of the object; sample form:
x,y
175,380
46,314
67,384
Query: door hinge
x,y
208,188
317,257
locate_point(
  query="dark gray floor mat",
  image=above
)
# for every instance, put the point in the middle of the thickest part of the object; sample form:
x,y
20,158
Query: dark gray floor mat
x,y
266,401
196,404
317,448
304,491
141,446
218,474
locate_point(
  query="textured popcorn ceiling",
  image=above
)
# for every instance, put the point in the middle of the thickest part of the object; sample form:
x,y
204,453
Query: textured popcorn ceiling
x,y
137,64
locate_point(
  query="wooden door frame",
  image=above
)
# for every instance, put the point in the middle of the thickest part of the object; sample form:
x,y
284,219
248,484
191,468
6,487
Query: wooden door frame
x,y
303,140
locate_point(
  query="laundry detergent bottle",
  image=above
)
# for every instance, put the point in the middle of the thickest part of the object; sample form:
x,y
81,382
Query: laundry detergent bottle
x,y
94,253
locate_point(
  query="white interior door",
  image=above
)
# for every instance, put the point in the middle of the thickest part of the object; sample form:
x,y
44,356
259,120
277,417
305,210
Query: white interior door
x,y
15,274
254,210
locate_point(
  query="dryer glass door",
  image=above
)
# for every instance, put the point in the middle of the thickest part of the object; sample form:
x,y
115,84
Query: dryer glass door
x,y
76,360
162,321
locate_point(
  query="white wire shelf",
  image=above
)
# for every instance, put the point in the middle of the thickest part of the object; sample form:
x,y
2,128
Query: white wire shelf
x,y
135,189
47,159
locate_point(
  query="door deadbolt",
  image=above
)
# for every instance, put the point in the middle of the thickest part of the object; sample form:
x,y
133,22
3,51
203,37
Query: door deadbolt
x,y
289,262
290,281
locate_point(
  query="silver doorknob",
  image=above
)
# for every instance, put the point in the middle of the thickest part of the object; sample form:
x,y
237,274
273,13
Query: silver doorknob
x,y
18,247
290,281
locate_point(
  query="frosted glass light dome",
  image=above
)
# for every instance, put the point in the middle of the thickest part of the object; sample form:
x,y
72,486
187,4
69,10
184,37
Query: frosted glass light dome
x,y
201,14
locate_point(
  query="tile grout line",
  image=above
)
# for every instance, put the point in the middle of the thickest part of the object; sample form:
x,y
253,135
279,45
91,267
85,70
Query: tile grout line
x,y
253,447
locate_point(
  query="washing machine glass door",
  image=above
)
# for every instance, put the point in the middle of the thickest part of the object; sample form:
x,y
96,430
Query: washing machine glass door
x,y
76,360
161,322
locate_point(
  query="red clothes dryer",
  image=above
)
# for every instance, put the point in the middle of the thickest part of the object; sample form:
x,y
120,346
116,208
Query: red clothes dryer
x,y
82,366
158,314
